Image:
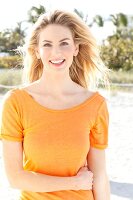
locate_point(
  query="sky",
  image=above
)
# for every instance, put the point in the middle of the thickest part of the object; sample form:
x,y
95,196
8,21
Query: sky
x,y
13,11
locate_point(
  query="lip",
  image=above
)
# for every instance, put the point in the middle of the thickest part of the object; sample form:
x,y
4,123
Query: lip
x,y
57,61
58,64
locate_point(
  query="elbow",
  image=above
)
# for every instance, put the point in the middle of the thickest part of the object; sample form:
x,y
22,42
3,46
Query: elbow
x,y
100,181
14,181
101,185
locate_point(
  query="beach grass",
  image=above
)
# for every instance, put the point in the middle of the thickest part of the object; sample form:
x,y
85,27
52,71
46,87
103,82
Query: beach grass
x,y
119,80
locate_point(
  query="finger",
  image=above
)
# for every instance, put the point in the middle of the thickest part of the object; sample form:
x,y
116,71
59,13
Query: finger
x,y
91,174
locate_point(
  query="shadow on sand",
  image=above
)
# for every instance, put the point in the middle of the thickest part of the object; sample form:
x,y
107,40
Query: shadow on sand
x,y
122,189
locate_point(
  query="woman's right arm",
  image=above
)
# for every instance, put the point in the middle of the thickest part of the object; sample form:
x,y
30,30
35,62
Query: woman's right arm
x,y
36,182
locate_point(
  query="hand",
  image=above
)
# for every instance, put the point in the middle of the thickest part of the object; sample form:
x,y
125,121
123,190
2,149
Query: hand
x,y
84,179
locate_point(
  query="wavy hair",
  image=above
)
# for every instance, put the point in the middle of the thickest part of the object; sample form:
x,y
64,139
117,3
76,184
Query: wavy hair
x,y
87,67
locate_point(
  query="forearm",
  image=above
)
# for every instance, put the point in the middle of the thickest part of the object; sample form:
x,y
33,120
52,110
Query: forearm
x,y
37,182
101,187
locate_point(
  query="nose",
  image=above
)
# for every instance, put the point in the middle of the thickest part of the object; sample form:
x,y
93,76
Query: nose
x,y
56,51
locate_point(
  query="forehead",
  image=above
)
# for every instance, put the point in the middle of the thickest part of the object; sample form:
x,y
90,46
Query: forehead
x,y
55,31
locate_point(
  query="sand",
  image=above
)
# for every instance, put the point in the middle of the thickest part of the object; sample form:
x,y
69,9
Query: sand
x,y
119,154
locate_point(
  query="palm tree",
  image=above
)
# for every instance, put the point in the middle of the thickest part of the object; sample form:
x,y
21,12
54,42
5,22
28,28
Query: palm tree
x,y
35,12
119,20
10,39
98,20
18,30
81,14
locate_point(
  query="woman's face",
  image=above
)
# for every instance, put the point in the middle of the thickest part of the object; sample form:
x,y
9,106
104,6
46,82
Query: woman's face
x,y
56,47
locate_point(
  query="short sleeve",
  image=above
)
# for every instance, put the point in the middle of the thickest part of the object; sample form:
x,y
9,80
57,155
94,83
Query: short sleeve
x,y
99,132
10,121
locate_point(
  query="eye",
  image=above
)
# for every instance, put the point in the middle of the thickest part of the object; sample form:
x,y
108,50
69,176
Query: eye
x,y
47,45
64,44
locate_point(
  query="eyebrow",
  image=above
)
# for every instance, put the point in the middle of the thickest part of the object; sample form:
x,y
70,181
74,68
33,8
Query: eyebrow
x,y
59,41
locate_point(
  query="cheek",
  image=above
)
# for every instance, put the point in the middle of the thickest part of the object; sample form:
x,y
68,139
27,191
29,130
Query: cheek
x,y
68,50
44,54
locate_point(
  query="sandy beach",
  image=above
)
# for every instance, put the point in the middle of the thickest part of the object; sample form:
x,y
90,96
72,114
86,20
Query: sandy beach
x,y
119,153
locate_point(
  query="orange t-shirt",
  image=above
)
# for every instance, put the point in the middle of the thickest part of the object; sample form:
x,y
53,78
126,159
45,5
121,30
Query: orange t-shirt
x,y
55,142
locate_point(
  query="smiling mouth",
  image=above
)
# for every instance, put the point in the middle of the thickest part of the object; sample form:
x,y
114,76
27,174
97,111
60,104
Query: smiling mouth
x,y
57,61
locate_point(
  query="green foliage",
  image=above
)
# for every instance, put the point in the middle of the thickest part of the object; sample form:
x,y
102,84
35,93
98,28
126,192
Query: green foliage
x,y
119,20
10,62
82,15
10,77
98,20
117,51
35,12
121,76
10,39
79,13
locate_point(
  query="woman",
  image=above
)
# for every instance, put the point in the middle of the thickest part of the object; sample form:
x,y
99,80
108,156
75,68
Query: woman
x,y
55,129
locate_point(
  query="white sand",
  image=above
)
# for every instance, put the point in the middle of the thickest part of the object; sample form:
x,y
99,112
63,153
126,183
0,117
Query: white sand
x,y
119,153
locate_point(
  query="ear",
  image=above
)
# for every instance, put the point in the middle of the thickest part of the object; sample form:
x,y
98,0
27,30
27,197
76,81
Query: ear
x,y
76,50
37,54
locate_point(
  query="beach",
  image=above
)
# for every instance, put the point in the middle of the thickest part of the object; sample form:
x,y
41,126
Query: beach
x,y
119,154
120,151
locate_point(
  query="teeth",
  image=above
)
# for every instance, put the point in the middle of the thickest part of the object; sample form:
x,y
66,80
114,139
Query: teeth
x,y
56,61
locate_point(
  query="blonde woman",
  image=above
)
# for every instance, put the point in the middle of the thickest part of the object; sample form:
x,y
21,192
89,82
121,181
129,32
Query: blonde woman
x,y
55,129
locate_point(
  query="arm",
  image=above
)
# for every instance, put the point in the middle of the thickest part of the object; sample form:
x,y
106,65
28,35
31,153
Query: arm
x,y
27,180
96,163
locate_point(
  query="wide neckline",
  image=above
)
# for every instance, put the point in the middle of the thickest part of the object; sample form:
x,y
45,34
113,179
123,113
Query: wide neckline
x,y
60,110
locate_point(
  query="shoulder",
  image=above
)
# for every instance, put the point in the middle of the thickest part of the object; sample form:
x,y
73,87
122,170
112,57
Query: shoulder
x,y
11,97
98,101
9,103
10,94
102,106
102,97
98,96
31,88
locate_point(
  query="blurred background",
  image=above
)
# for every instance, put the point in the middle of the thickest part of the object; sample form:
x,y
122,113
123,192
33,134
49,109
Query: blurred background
x,y
111,22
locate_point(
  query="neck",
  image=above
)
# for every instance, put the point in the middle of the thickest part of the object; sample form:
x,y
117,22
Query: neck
x,y
56,83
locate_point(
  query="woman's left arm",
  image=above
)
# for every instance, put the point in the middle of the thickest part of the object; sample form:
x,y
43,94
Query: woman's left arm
x,y
96,162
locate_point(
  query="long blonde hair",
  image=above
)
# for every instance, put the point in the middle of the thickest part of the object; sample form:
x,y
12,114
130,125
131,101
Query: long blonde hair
x,y
87,66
